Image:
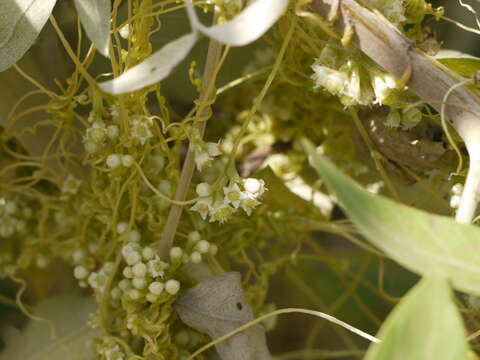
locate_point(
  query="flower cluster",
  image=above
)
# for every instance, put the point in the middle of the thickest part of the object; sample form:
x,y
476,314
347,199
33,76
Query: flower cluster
x,y
141,129
14,215
71,185
456,195
97,134
405,118
194,251
221,205
204,153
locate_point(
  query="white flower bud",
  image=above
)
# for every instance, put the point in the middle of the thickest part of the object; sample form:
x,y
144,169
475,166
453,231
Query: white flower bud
x,y
124,284
122,227
148,253
176,253
194,236
133,258
79,256
115,293
139,283
455,201
127,160
134,294
114,160
151,297
203,189
195,257
139,270
80,272
127,272
172,286
457,189
203,246
156,287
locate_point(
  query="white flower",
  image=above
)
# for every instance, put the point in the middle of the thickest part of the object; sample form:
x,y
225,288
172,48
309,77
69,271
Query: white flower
x,y
213,149
221,213
233,195
203,206
156,267
141,130
97,132
332,80
113,161
71,185
172,286
255,187
124,31
202,160
249,203
382,84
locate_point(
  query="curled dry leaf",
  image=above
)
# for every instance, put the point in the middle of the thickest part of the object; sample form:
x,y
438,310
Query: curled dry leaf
x,y
21,21
246,27
153,69
95,18
218,306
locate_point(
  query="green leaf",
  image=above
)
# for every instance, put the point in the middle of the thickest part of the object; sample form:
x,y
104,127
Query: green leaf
x,y
425,325
460,63
20,24
95,18
424,243
69,316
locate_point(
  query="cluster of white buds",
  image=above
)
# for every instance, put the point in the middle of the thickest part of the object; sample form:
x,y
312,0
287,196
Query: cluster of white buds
x,y
13,217
95,137
84,264
220,206
98,279
456,195
204,153
71,185
194,251
144,277
114,161
141,129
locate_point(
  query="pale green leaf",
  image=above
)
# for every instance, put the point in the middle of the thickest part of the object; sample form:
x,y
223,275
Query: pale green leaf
x,y
425,325
463,64
69,316
20,23
249,25
422,242
95,18
153,69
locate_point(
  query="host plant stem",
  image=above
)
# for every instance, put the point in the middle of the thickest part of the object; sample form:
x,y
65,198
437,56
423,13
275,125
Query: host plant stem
x,y
207,93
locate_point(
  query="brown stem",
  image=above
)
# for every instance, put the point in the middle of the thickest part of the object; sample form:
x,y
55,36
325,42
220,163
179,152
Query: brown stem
x,y
207,93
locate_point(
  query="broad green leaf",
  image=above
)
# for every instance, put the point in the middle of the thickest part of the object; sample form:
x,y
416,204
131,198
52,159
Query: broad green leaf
x,y
69,315
95,18
153,69
423,243
460,63
246,27
425,325
20,23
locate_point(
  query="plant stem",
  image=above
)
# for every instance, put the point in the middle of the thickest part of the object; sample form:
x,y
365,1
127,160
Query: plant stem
x,y
470,196
208,81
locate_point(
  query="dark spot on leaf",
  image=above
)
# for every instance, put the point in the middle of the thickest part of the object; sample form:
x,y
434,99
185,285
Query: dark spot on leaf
x,y
239,306
153,69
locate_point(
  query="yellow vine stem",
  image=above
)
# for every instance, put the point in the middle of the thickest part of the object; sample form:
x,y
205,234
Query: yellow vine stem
x,y
212,66
159,194
445,128
319,314
263,92
23,308
34,82
72,54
